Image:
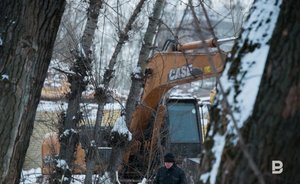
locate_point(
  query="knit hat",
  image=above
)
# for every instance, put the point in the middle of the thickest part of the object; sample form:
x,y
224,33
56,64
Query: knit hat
x,y
169,157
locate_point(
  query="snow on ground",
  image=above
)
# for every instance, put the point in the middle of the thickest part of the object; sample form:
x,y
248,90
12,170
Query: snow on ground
x,y
55,106
30,176
33,176
89,109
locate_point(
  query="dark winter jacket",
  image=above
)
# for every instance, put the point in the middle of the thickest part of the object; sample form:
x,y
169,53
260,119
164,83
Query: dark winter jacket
x,y
173,175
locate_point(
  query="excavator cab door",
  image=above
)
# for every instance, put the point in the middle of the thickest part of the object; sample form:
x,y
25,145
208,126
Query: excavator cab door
x,y
184,128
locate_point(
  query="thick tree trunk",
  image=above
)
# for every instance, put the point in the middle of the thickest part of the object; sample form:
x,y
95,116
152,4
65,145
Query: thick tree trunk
x,y
27,34
271,133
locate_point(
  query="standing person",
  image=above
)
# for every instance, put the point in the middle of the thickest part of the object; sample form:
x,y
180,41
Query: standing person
x,y
170,173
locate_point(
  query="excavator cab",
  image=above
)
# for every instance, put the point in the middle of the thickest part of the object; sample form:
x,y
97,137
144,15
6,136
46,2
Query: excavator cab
x,y
184,128
176,128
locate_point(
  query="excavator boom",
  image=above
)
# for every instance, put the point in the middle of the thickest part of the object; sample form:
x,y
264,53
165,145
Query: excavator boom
x,y
166,70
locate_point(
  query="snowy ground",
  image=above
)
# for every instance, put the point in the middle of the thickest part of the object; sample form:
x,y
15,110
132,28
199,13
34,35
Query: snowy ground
x,y
89,109
30,176
35,176
54,106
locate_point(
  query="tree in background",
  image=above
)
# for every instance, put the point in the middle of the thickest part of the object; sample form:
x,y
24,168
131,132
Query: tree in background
x,y
78,79
27,34
258,113
102,92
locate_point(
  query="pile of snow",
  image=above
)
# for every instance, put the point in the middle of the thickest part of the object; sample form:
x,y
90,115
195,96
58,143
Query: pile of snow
x,y
144,181
62,164
121,128
137,72
5,77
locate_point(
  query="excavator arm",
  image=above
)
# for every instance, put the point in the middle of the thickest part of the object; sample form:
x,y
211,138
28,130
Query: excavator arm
x,y
166,70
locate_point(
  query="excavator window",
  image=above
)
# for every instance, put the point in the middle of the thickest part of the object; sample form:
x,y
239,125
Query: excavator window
x,y
183,123
184,128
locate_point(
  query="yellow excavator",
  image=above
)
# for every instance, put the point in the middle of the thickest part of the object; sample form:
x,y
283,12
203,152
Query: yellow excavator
x,y
160,123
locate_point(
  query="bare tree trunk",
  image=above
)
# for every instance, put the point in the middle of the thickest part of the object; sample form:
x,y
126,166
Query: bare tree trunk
x,y
69,137
272,131
91,25
91,157
103,93
108,75
27,34
137,82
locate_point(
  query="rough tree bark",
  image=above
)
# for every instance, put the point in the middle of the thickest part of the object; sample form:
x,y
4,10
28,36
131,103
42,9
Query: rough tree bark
x,y
271,132
27,34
